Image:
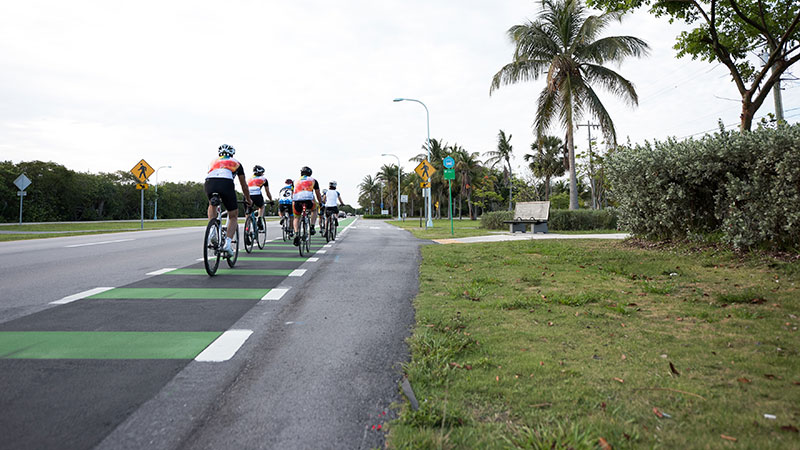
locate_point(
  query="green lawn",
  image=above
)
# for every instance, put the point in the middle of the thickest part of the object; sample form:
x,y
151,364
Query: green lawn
x,y
559,344
441,228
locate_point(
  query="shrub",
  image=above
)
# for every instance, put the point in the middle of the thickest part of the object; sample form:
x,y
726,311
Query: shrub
x,y
582,219
745,186
377,216
494,220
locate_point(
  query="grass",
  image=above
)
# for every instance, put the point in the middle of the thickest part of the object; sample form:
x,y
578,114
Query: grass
x,y
441,228
559,344
59,229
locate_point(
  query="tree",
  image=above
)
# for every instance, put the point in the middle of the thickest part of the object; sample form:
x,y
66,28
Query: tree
x,y
467,167
546,161
388,176
502,154
564,45
726,31
368,190
438,151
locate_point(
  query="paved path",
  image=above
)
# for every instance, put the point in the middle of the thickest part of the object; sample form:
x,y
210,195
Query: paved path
x,y
528,237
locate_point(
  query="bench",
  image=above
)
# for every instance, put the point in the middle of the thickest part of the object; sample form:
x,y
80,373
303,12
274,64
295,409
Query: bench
x,y
533,213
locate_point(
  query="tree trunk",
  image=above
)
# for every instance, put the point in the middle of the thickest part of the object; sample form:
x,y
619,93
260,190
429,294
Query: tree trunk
x,y
748,111
573,178
547,188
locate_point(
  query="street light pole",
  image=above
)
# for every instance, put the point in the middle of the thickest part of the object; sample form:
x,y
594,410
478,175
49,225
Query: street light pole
x,y
427,190
398,183
155,209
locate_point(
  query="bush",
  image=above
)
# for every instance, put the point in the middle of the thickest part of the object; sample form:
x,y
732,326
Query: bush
x,y
376,216
745,186
494,220
582,219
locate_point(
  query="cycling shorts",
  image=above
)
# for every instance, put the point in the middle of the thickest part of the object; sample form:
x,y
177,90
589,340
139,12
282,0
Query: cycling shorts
x,y
286,208
223,187
258,200
331,210
298,206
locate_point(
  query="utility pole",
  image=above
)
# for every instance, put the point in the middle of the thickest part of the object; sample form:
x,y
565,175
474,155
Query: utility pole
x,y
589,126
776,89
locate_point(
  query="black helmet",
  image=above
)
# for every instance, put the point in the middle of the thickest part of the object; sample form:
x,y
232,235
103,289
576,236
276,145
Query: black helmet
x,y
226,150
332,184
289,181
258,170
306,171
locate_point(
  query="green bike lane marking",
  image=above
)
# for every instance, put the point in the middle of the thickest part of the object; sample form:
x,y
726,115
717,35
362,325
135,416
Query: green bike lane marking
x,y
183,293
263,272
104,344
272,258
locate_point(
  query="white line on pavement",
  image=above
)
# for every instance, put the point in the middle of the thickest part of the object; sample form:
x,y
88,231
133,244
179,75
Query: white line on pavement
x,y
322,251
225,346
98,243
80,295
274,294
297,273
327,246
374,228
161,271
312,259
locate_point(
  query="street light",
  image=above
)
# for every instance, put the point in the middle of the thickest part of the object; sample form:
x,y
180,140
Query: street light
x,y
398,183
155,209
429,222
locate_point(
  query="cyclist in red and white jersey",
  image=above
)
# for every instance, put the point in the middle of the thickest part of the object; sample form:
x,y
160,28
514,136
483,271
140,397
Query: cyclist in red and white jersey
x,y
256,183
220,177
305,189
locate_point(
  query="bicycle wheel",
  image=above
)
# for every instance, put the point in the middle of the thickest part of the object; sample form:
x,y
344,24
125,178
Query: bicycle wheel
x,y
335,228
235,247
248,234
307,241
303,234
285,229
327,230
210,248
261,238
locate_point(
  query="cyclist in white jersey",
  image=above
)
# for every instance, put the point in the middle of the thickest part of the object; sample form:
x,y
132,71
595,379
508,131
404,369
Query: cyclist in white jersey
x,y
220,177
332,199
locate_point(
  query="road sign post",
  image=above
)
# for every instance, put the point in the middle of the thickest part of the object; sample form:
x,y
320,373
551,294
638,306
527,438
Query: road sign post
x,y
450,175
425,170
22,182
142,171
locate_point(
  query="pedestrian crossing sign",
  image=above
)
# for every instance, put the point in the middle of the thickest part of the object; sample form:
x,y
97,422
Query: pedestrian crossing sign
x,y
425,170
142,171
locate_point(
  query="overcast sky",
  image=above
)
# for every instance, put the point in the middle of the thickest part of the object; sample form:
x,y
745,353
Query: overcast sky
x,y
98,85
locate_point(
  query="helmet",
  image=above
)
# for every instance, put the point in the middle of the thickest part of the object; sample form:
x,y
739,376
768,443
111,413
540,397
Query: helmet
x,y
289,181
258,170
305,171
332,184
226,150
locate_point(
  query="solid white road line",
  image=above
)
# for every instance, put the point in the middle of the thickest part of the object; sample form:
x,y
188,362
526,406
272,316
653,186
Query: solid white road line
x,y
327,246
298,273
225,346
274,294
312,259
98,243
161,271
80,295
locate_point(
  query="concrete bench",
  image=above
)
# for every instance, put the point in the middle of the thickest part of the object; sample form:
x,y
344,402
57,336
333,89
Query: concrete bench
x,y
535,214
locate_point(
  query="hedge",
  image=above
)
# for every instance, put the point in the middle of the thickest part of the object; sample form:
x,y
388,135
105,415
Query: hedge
x,y
560,219
377,216
744,187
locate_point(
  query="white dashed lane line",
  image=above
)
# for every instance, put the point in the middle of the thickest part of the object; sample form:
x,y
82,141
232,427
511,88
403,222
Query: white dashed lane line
x,y
298,273
275,294
161,271
225,346
97,243
80,295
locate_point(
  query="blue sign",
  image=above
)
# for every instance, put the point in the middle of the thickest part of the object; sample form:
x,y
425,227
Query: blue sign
x,y
449,162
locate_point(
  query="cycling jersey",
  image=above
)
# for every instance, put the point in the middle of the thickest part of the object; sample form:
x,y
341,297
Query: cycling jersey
x,y
224,167
285,195
255,183
331,198
304,188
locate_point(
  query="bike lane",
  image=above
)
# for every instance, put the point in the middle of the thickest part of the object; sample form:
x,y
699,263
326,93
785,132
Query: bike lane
x,y
74,372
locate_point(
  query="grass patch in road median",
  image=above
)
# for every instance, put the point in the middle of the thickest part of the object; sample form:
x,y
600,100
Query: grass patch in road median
x,y
557,344
441,228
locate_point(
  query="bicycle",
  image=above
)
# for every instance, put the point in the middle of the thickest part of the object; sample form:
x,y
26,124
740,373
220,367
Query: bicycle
x,y
215,237
255,229
331,226
287,228
305,236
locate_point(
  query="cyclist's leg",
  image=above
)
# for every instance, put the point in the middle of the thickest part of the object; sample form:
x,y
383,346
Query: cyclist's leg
x,y
297,213
233,222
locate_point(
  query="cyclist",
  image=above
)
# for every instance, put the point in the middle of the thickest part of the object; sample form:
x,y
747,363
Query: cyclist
x,y
220,177
285,202
256,183
332,200
305,189
322,215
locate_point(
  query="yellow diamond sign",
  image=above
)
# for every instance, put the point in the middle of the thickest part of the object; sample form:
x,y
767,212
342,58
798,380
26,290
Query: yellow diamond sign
x,y
425,170
142,171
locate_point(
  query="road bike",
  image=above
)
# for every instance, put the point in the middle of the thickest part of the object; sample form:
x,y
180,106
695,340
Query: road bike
x,y
304,233
255,229
331,226
287,227
215,239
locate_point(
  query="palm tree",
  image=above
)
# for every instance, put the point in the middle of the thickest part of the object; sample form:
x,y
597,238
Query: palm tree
x,y
368,191
564,44
467,166
388,176
438,151
546,162
502,155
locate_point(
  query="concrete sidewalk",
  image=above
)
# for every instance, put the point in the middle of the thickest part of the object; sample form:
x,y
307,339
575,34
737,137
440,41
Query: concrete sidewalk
x,y
528,237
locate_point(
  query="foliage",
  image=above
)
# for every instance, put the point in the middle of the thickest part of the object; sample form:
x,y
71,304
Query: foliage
x,y
547,160
377,216
745,186
582,219
564,45
728,31
494,220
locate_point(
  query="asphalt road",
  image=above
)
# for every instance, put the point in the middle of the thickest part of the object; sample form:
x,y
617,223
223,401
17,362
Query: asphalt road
x,y
134,366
